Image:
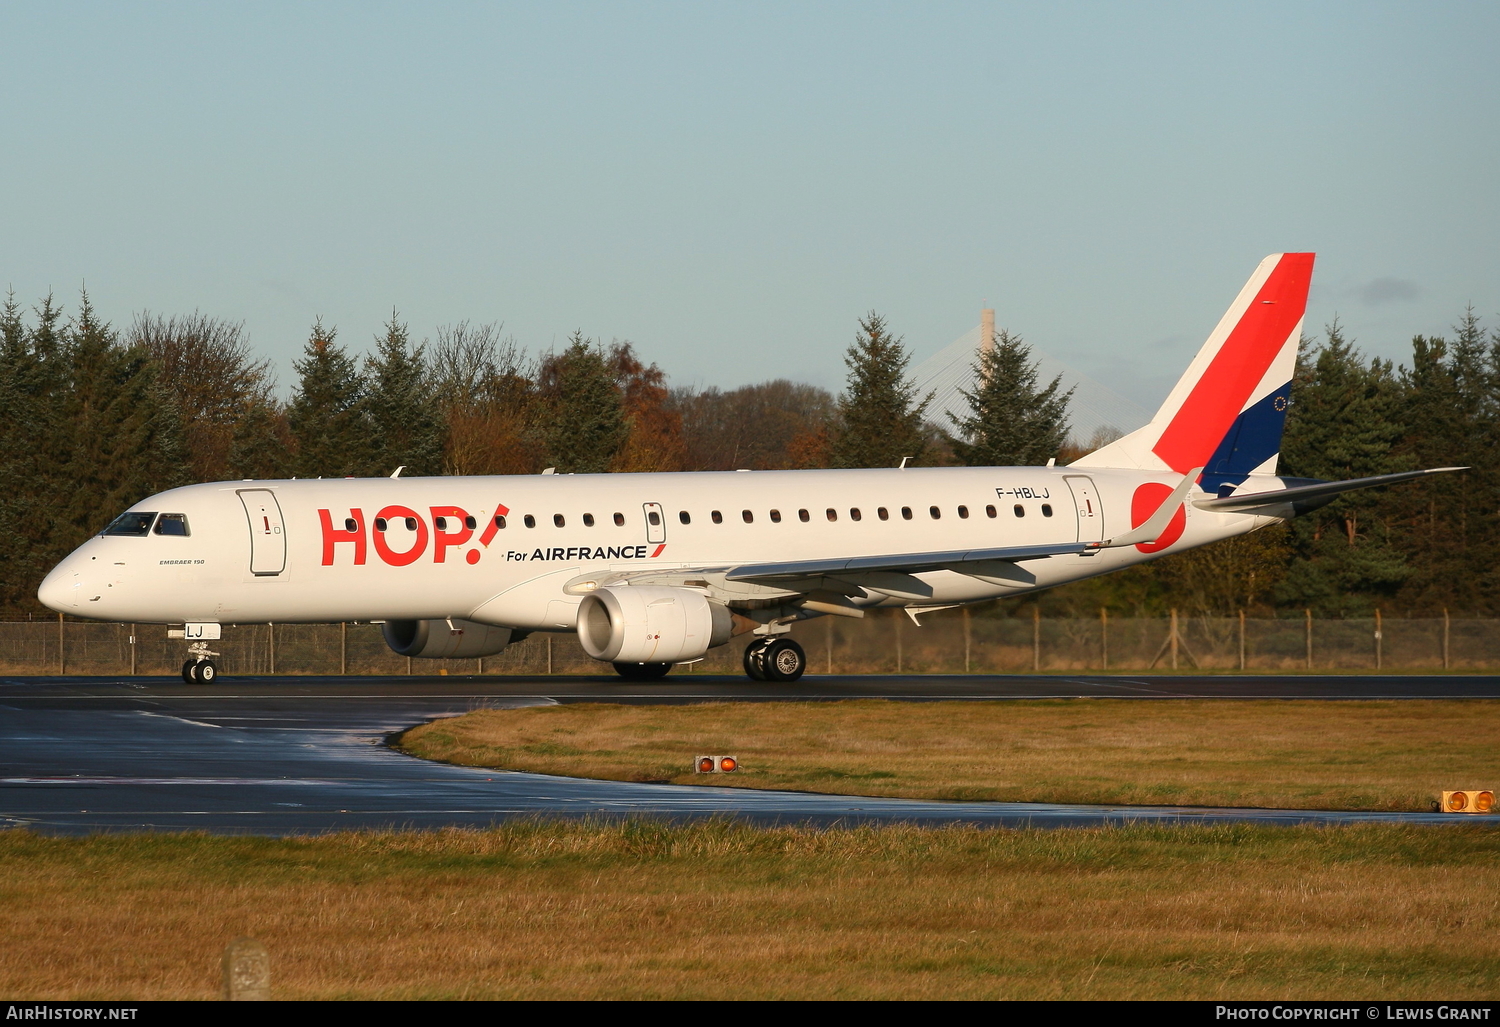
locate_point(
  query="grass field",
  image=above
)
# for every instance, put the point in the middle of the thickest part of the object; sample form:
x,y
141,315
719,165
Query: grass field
x,y
1395,755
644,910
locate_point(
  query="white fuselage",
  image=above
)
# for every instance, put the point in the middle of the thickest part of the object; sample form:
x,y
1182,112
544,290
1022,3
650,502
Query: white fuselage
x,y
284,551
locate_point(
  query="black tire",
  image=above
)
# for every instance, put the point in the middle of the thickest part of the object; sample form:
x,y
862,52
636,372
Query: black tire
x,y
189,669
755,664
784,660
642,671
208,673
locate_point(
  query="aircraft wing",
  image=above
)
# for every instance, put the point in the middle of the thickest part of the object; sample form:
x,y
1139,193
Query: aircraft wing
x,y
1309,497
908,563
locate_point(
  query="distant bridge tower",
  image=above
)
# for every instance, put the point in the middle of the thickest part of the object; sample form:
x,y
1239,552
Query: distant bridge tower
x,y
986,331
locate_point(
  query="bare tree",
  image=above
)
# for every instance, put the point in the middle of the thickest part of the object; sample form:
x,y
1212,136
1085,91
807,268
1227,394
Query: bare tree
x,y
486,389
204,363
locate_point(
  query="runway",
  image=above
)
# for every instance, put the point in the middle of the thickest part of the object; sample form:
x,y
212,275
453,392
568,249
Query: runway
x,y
291,755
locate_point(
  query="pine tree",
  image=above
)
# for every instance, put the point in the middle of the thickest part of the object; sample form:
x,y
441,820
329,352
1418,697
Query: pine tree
x,y
1013,421
406,429
586,426
127,438
326,415
1343,423
880,419
1446,527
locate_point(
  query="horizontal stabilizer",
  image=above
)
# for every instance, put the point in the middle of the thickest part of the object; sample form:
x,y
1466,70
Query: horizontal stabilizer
x,y
1315,495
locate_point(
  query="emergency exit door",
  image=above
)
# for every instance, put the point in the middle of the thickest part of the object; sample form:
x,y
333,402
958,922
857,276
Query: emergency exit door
x,y
267,532
1090,512
656,523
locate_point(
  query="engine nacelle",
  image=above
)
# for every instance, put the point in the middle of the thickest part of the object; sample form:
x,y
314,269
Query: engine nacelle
x,y
435,640
650,624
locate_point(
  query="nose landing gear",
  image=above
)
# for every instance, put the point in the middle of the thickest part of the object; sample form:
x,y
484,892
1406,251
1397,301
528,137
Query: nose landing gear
x,y
776,658
199,669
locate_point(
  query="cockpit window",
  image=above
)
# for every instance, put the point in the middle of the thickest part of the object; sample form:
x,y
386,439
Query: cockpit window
x,y
132,523
172,524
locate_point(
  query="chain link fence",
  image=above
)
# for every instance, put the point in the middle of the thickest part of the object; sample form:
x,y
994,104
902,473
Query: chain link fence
x,y
883,642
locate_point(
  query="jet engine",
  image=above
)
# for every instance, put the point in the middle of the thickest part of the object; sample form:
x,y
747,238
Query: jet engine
x,y
436,640
650,624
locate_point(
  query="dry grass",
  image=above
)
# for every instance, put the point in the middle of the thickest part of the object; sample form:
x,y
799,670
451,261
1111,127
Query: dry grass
x,y
1395,755
643,910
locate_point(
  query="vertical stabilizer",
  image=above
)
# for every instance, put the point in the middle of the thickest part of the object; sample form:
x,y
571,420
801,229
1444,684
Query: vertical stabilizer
x,y
1225,414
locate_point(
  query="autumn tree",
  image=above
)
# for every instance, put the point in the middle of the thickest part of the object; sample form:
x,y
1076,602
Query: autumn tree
x,y
487,397
654,440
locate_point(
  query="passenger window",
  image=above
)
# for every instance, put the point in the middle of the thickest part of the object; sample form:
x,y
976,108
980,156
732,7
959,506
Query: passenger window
x,y
854,513
1046,509
906,513
1020,510
350,524
380,524
833,514
803,516
499,520
619,520
716,517
990,511
653,517
963,511
440,523
775,516
588,520
747,516
883,514
936,513
130,524
684,517
172,524
529,521
557,520
471,523
411,524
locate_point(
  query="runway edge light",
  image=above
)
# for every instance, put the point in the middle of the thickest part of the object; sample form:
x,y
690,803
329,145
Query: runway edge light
x,y
1472,800
717,764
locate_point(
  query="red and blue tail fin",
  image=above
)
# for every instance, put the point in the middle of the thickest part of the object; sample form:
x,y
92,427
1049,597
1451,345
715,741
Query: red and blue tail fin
x,y
1226,412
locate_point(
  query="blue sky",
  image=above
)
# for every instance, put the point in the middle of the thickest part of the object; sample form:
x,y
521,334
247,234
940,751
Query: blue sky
x,y
731,186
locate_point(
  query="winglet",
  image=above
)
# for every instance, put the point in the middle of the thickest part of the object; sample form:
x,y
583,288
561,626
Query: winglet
x,y
1157,522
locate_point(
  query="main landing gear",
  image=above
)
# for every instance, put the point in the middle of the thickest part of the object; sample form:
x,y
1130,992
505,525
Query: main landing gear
x,y
775,659
199,669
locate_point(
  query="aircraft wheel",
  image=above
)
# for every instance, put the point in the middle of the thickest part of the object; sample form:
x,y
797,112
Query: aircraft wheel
x,y
784,660
755,664
190,672
642,671
207,672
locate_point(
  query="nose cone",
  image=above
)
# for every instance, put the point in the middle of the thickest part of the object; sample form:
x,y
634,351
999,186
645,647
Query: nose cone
x,y
59,589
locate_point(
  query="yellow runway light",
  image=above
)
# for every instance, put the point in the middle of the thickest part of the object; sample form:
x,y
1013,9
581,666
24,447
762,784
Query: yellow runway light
x,y
1477,800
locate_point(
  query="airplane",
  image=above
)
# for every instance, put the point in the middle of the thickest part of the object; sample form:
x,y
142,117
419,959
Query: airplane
x,y
653,570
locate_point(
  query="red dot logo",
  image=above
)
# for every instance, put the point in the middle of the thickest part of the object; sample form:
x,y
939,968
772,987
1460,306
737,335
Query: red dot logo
x,y
472,556
1146,501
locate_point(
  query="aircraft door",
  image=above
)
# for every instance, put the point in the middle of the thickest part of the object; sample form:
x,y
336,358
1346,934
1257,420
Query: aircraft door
x,y
1090,510
656,523
267,532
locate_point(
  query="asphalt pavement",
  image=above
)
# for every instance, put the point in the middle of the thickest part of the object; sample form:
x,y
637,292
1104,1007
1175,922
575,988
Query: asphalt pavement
x,y
293,755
